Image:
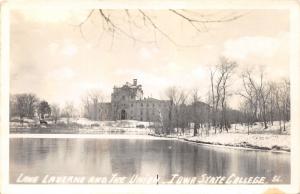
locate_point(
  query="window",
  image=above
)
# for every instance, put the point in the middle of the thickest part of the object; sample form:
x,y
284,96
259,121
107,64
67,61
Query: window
x,y
152,105
131,105
123,97
141,104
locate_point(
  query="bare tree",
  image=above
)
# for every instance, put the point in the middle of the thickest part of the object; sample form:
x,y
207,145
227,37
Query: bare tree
x,y
69,111
213,99
24,105
279,102
195,115
251,95
226,68
21,105
219,78
263,95
171,94
287,101
55,112
182,116
13,106
272,101
92,104
284,101
175,98
265,99
31,101
86,106
247,114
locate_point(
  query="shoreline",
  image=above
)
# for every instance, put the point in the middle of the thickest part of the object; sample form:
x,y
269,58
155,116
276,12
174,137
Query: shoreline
x,y
228,146
83,136
151,136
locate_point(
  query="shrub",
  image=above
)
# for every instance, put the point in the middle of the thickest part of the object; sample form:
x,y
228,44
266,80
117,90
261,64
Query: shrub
x,y
95,125
140,126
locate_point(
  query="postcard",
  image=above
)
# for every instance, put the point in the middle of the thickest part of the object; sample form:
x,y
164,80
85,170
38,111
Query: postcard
x,y
143,97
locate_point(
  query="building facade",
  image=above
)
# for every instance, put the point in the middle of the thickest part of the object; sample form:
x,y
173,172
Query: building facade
x,y
128,103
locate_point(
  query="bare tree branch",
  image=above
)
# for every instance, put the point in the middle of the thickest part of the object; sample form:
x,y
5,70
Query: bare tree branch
x,y
199,24
87,17
83,22
112,25
191,20
157,28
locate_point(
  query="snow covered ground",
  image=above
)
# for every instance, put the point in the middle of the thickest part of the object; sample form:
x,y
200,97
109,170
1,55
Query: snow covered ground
x,y
118,123
83,122
255,141
237,137
240,140
81,126
259,128
271,138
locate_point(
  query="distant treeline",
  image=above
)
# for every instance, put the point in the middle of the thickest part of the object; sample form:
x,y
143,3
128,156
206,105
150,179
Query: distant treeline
x,y
260,100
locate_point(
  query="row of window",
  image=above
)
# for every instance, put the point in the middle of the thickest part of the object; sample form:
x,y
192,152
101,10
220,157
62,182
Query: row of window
x,y
123,105
153,105
132,116
142,105
123,97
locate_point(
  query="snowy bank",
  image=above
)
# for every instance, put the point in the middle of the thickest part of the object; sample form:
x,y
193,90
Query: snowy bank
x,y
81,126
274,138
270,142
254,141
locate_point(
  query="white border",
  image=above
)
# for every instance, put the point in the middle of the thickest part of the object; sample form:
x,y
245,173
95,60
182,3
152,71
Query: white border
x,y
4,96
292,6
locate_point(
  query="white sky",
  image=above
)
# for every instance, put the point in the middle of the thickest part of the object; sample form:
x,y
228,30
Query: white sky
x,y
50,58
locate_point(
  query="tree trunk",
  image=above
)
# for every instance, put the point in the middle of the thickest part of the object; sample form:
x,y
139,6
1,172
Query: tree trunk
x,y
265,124
195,130
248,127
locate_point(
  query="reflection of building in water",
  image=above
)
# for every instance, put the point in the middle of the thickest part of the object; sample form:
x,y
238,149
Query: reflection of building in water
x,y
127,102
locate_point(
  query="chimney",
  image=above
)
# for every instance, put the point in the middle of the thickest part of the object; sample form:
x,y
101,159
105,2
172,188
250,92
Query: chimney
x,y
134,82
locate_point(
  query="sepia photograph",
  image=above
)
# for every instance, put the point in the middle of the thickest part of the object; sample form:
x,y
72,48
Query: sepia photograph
x,y
142,96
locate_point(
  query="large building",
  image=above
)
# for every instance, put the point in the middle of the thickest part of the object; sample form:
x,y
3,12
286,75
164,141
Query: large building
x,y
128,103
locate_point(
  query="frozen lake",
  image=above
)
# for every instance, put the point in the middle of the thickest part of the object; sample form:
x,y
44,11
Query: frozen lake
x,y
104,157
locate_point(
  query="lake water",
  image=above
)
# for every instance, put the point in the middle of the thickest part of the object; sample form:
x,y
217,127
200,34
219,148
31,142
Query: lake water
x,y
40,157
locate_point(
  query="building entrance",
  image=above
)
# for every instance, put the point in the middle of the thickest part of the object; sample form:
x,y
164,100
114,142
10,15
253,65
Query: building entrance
x,y
123,115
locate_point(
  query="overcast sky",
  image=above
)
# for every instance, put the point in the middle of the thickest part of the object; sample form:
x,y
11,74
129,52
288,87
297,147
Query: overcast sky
x,y
51,58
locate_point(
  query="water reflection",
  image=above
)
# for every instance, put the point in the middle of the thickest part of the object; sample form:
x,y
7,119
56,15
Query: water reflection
x,y
103,157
